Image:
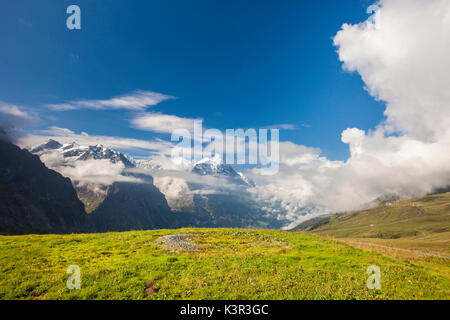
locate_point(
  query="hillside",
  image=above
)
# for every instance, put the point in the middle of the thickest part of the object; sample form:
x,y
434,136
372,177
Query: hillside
x,y
207,264
421,224
33,198
132,206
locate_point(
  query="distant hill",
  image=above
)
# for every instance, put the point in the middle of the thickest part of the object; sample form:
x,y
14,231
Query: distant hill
x,y
425,216
314,223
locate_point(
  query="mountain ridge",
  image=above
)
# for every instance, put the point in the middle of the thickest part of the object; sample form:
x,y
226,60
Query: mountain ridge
x,y
221,205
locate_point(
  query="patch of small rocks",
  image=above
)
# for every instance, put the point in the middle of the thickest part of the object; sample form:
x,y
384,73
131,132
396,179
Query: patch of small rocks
x,y
177,242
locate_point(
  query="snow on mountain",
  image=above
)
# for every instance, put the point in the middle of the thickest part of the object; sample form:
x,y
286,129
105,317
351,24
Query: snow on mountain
x,y
208,192
205,167
49,145
246,179
157,163
73,151
215,167
147,164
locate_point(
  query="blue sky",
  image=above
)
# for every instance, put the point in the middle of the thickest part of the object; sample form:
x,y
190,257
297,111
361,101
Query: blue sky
x,y
232,63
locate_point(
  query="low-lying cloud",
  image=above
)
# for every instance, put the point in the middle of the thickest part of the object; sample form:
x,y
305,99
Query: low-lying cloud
x,y
100,172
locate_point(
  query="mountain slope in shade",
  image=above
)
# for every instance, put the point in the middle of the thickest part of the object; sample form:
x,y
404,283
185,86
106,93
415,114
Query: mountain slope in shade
x,y
133,206
120,206
225,203
72,154
33,198
233,210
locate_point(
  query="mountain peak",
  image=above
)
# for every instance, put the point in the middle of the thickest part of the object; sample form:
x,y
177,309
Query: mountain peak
x,y
49,145
76,152
215,167
216,160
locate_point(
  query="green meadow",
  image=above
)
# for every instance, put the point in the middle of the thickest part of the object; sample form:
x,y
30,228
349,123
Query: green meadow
x,y
227,264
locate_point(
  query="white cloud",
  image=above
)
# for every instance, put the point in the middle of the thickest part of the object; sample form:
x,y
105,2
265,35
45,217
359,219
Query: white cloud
x,y
163,123
137,100
355,138
284,126
405,63
176,191
64,135
92,173
13,110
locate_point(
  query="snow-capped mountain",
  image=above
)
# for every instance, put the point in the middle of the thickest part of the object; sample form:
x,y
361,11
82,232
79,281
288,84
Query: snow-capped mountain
x,y
205,167
73,151
161,186
215,167
159,163
49,145
147,164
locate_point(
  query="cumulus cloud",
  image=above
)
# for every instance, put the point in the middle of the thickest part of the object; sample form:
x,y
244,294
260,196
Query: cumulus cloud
x,y
163,123
137,101
404,61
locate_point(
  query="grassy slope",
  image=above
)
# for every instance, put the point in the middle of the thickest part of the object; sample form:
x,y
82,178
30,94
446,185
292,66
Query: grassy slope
x,y
411,230
229,264
414,217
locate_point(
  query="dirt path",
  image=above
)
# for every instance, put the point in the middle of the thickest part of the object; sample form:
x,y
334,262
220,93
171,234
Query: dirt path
x,y
423,253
